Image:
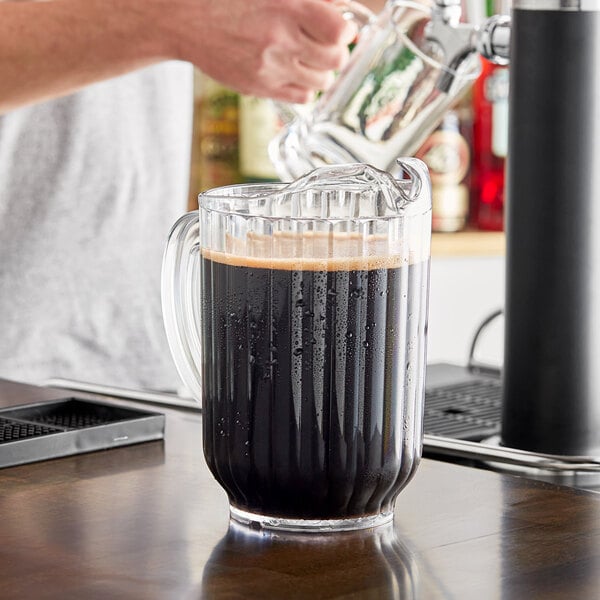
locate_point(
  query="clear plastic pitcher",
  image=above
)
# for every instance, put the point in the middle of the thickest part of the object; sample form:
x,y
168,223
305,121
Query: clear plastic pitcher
x,y
296,314
411,63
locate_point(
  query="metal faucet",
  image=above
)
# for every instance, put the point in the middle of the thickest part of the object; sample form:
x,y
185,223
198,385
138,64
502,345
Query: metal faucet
x,y
458,40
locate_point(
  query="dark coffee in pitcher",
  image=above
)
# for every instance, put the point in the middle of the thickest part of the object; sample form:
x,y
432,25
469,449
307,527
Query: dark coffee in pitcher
x,y
312,377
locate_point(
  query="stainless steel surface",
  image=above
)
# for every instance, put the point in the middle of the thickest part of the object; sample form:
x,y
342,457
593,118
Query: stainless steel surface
x,y
118,392
45,430
493,39
494,452
448,11
457,40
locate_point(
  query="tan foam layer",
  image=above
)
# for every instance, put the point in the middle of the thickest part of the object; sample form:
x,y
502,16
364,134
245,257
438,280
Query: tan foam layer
x,y
308,252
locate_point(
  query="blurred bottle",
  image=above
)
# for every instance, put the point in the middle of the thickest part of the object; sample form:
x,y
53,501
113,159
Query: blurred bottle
x,y
447,154
490,139
215,139
258,124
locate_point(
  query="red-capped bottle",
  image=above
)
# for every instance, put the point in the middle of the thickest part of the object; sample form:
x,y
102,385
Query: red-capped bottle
x,y
490,143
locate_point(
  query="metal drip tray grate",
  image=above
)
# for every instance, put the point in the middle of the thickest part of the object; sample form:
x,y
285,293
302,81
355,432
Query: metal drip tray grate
x,y
69,426
467,411
14,430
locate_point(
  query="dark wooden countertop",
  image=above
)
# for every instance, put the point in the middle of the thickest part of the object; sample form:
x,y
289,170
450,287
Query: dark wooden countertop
x,y
149,522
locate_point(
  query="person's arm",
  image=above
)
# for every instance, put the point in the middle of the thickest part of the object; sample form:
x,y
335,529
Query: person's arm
x,y
284,49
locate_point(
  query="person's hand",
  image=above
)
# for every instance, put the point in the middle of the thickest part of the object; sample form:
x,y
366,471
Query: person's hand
x,y
283,49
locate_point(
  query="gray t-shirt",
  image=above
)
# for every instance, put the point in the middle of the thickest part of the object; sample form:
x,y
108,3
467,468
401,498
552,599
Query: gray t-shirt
x,y
90,185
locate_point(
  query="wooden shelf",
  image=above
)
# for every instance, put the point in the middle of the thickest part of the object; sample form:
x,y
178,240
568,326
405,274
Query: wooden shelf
x,y
468,243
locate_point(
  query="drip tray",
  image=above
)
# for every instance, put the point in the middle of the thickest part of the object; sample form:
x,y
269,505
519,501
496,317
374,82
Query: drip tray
x,y
462,423
68,426
469,410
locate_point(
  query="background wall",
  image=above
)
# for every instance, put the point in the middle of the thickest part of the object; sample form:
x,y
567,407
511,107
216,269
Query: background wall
x,y
463,292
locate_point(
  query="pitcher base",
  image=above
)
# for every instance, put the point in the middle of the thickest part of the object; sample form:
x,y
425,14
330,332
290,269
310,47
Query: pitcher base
x,y
256,520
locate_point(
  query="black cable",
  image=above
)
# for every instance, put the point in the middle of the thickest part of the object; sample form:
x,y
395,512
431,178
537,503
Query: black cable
x,y
472,365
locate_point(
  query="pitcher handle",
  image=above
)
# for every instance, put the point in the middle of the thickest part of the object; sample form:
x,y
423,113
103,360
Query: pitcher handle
x,y
180,288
